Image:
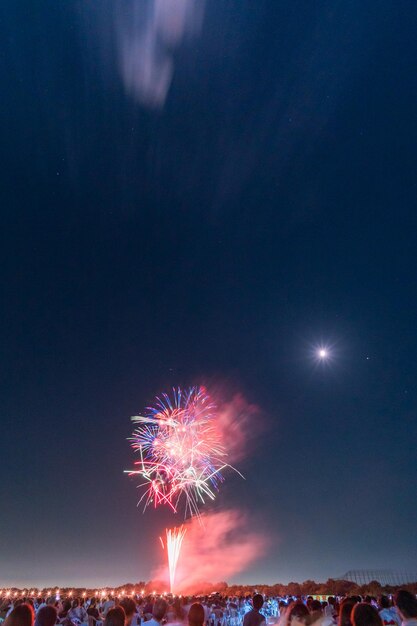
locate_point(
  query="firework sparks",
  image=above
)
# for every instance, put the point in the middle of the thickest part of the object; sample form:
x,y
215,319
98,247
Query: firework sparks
x,y
181,454
181,458
174,539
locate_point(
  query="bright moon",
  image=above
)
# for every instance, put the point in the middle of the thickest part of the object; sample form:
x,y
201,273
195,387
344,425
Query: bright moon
x,y
322,353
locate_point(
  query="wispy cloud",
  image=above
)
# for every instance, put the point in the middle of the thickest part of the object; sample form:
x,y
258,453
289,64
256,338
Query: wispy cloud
x,y
147,35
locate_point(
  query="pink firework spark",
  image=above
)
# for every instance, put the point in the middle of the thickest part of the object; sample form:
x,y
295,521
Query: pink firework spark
x,y
181,452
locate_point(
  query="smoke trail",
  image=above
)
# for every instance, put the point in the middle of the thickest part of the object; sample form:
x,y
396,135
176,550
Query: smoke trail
x,y
225,545
239,424
147,34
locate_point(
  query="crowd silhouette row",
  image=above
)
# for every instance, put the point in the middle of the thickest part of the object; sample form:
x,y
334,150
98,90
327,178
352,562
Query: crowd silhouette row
x,y
214,610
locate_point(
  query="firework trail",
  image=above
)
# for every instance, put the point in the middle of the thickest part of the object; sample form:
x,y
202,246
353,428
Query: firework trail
x,y
174,538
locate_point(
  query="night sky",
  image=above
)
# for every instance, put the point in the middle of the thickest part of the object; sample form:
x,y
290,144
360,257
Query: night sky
x,y
262,207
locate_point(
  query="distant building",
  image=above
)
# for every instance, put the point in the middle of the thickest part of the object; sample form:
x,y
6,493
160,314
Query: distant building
x,y
383,576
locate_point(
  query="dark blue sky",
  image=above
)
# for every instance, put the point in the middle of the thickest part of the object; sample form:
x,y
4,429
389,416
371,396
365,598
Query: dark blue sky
x,y
268,205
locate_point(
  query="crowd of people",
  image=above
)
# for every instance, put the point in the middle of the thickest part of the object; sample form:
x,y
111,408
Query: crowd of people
x,y
215,610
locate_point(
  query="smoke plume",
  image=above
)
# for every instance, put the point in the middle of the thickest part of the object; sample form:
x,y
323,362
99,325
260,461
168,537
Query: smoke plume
x,y
239,423
148,33
223,544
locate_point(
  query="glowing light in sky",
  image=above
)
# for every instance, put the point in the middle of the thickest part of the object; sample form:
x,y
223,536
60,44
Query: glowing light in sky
x,y
323,353
182,457
174,539
181,453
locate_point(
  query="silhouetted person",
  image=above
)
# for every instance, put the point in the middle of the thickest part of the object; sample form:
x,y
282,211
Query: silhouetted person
x,y
46,616
109,604
196,615
298,612
254,617
346,607
115,617
22,615
388,613
406,604
129,608
179,611
158,612
77,612
92,611
364,614
66,607
316,611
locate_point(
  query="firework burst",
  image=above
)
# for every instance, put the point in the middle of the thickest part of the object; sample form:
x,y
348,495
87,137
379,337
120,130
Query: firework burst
x,y
181,454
